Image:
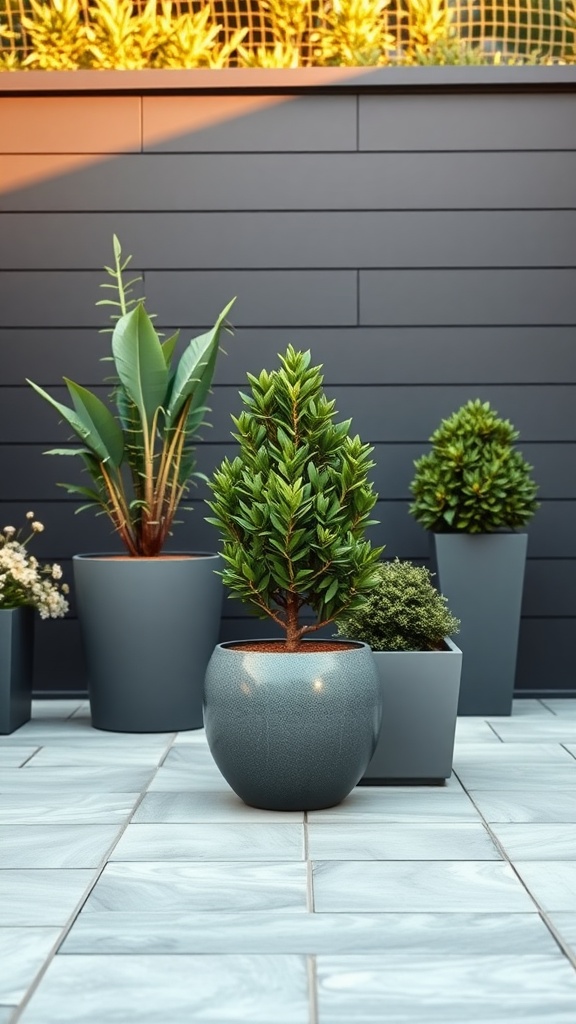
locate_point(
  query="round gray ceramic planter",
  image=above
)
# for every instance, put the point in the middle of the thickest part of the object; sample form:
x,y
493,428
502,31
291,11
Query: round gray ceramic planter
x,y
292,731
149,626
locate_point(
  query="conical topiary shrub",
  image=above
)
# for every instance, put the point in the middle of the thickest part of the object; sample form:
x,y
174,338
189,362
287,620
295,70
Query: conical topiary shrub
x,y
474,480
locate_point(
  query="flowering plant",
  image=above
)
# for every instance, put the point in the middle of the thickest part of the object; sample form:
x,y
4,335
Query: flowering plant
x,y
23,581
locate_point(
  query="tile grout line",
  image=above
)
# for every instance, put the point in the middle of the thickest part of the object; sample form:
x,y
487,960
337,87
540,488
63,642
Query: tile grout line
x,y
563,946
28,759
310,959
67,927
491,727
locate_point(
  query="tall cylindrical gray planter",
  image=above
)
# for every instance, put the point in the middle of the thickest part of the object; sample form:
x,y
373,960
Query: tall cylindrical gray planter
x,y
149,626
292,731
16,652
482,575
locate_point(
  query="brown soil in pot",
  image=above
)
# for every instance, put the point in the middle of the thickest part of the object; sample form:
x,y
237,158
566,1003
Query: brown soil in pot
x,y
306,647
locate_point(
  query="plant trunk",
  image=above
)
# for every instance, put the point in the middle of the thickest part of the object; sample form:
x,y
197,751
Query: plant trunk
x,y
293,631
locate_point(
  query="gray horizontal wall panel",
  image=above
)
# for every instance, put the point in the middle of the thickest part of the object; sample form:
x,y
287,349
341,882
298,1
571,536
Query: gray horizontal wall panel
x,y
59,664
550,587
65,298
265,297
399,355
379,413
546,655
292,181
29,475
436,297
468,122
228,123
260,240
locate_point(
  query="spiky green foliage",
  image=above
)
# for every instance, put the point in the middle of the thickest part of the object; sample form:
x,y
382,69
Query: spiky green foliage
x,y
404,612
294,505
474,480
141,460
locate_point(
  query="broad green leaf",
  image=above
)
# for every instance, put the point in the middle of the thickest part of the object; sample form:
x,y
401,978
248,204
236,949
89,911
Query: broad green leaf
x,y
169,346
93,411
77,423
196,369
140,362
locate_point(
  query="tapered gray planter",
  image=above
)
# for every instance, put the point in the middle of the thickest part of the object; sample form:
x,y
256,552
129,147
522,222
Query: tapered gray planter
x,y
16,650
149,626
292,731
420,704
482,575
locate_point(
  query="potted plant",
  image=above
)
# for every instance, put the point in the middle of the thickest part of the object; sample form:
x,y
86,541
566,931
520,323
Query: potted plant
x,y
474,491
407,624
149,619
25,586
292,723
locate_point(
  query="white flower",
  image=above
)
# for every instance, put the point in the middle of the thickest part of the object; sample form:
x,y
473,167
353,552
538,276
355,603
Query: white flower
x,y
9,531
29,515
37,527
56,572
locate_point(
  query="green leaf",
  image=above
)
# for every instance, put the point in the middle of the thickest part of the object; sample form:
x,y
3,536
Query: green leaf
x,y
169,346
80,427
93,411
195,370
140,362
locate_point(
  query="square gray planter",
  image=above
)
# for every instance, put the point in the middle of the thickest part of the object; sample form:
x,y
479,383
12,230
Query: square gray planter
x,y
16,652
482,575
420,702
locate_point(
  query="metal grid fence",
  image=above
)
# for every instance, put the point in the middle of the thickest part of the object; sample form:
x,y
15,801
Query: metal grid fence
x,y
534,31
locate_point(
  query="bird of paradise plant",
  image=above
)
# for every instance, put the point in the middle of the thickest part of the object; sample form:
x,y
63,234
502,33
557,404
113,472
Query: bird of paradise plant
x,y
141,460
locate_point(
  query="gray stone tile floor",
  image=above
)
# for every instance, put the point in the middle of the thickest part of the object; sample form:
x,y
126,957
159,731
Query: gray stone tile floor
x,y
136,887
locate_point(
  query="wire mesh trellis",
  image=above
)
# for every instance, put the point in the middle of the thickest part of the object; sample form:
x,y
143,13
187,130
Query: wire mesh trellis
x,y
494,30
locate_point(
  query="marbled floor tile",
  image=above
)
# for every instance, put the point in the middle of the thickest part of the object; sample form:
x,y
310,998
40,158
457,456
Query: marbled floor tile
x,y
54,709
559,729
537,841
14,757
41,897
475,730
222,885
61,756
171,990
402,804
80,780
55,846
551,882
187,754
387,841
22,954
201,841
224,806
418,887
79,730
66,808
191,736
531,755
522,806
6,1013
565,924
438,990
189,778
278,932
560,705
545,777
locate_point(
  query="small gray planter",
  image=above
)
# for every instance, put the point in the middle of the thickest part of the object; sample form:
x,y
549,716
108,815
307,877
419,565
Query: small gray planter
x,y
482,575
149,626
420,703
16,653
292,732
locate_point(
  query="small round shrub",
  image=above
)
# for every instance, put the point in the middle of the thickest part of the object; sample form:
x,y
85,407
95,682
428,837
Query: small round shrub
x,y
404,612
474,480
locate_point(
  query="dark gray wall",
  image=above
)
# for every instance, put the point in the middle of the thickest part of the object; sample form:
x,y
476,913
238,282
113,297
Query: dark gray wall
x,y
423,246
